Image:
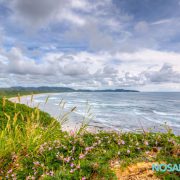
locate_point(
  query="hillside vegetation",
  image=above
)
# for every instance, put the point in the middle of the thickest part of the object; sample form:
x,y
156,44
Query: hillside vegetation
x,y
13,91
33,146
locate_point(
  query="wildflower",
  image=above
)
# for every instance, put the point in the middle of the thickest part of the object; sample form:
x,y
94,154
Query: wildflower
x,y
72,133
67,159
81,156
72,170
72,165
122,142
78,166
128,151
83,178
51,173
88,148
10,171
146,143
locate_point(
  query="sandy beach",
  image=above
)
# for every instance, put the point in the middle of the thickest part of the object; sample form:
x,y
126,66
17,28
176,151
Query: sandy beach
x,y
69,125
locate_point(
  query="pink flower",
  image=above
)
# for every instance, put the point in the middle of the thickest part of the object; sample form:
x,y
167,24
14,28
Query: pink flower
x,y
72,165
122,142
88,148
67,159
10,171
83,178
78,166
81,156
72,133
51,173
128,151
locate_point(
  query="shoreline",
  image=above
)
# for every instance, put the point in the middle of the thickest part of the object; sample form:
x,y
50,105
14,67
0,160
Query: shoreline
x,y
68,126
72,125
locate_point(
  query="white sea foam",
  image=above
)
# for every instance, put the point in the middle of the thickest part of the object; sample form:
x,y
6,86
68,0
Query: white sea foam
x,y
165,114
160,113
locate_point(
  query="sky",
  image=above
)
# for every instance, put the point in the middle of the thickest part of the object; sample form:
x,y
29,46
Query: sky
x,y
91,44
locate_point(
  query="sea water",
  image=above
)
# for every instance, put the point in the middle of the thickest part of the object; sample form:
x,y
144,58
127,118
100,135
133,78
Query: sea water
x,y
117,110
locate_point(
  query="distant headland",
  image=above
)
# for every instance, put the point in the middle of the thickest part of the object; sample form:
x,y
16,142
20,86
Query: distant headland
x,y
48,89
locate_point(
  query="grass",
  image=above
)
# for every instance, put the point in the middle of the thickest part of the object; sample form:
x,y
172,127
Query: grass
x,y
33,146
10,93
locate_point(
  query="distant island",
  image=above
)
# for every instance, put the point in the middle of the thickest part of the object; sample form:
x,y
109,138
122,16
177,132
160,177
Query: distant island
x,y
46,89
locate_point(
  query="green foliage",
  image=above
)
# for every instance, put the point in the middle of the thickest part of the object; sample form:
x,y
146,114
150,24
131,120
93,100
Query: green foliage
x,y
10,93
23,112
33,146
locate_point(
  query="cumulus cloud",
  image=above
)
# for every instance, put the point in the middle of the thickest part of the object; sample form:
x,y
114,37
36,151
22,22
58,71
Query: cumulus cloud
x,y
36,13
87,43
82,70
164,75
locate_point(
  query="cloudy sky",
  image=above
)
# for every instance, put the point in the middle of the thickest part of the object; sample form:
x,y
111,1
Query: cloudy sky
x,y
131,44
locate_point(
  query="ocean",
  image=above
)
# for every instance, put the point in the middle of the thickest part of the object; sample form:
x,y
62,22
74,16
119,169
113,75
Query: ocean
x,y
118,111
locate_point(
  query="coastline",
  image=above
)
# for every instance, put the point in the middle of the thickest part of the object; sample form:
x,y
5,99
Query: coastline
x,y
67,126
75,121
44,150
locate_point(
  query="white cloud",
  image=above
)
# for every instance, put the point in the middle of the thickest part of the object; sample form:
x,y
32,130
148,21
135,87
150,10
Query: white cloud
x,y
90,69
120,51
151,57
